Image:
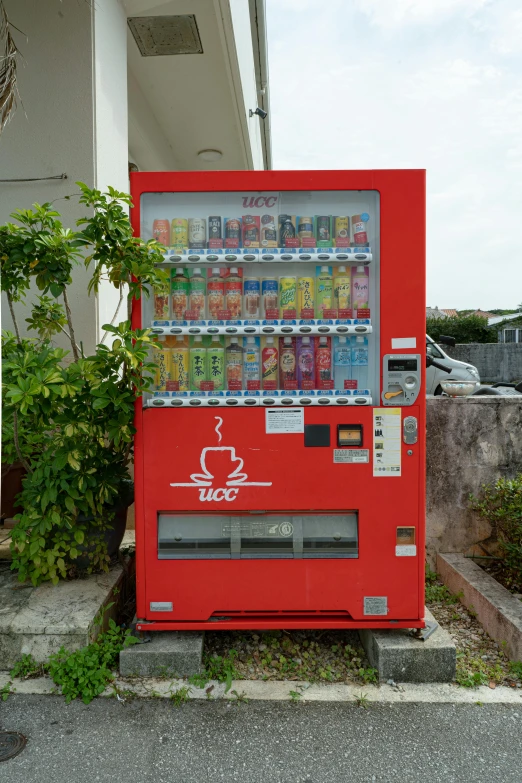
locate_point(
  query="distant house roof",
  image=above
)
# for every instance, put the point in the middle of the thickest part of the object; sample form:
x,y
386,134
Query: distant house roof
x,y
497,319
483,314
449,313
434,312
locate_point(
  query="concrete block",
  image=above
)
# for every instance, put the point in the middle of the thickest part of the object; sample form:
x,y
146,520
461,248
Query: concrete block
x,y
172,653
39,620
398,656
498,611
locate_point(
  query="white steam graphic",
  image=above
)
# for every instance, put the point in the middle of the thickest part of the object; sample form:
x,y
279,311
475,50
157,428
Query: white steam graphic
x,y
220,420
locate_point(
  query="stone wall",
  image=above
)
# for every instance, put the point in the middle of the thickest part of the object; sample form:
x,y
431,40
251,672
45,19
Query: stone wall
x,y
494,361
470,441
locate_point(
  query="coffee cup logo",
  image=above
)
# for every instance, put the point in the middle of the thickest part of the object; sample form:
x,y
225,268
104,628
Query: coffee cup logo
x,y
221,474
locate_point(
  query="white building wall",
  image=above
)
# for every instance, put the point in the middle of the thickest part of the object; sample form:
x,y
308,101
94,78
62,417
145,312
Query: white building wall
x,y
72,81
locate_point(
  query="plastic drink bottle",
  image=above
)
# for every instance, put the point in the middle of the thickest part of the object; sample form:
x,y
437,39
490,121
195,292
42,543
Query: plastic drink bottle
x,y
360,289
287,362
342,289
180,363
342,361
163,360
360,361
269,364
324,291
306,364
215,294
323,362
179,290
234,362
233,289
250,361
305,295
197,290
198,363
287,294
251,297
216,363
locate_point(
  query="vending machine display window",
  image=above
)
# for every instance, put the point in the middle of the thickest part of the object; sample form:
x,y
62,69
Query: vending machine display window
x,y
272,298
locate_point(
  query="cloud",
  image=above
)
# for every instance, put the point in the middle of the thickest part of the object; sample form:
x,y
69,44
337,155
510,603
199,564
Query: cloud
x,y
438,94
397,13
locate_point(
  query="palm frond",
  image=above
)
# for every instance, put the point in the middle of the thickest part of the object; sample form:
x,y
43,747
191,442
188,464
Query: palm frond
x,y
8,62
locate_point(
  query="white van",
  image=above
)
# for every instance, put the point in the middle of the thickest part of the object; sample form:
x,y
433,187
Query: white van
x,y
460,371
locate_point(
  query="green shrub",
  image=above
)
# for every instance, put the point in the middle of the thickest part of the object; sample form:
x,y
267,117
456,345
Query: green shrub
x,y
501,505
465,329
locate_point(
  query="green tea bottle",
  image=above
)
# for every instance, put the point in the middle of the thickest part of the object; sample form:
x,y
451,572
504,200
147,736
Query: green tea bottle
x,y
216,363
198,363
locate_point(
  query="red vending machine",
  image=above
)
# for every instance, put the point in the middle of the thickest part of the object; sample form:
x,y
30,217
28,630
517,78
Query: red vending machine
x,y
280,455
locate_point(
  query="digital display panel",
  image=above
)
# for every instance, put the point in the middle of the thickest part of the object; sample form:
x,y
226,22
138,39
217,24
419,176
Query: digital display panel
x,y
402,365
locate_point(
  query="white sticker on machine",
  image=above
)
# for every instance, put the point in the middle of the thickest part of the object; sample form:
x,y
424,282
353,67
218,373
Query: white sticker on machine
x,y
410,550
375,604
284,420
386,442
351,455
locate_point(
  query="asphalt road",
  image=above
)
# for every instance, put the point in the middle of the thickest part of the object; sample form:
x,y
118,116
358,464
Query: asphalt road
x,y
154,741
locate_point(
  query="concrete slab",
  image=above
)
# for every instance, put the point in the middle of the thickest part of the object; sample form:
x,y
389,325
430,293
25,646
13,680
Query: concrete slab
x,y
499,612
169,653
398,656
39,620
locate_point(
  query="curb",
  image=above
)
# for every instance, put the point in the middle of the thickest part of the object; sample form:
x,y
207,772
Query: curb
x,y
253,690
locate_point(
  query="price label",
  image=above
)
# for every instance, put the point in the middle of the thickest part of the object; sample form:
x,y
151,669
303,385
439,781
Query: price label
x,y
349,384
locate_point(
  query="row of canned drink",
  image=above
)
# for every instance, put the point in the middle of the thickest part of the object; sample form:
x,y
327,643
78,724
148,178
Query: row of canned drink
x,y
262,231
224,294
205,363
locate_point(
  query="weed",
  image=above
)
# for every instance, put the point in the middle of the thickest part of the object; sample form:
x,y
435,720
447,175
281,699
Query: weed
x,y
479,703
85,673
239,698
199,680
369,675
27,667
295,695
474,671
5,691
180,696
361,700
515,667
471,611
222,668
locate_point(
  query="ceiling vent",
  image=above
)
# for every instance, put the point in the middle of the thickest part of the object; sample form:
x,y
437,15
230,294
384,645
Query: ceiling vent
x,y
163,35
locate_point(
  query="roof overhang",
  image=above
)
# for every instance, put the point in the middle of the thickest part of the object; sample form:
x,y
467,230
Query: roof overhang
x,y
181,104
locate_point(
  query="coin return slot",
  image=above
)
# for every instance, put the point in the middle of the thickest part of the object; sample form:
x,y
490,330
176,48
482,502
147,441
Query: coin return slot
x,y
349,435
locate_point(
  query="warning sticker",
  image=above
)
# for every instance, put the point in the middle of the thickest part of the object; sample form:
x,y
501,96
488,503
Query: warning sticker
x,y
351,455
375,604
386,441
284,420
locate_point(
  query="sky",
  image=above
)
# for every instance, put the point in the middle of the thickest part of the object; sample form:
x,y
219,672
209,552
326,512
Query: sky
x,y
437,84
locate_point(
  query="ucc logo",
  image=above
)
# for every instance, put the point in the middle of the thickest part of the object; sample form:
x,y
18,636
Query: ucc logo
x,y
226,455
251,202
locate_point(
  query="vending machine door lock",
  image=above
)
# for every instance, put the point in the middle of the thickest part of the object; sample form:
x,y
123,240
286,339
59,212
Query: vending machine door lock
x,y
409,430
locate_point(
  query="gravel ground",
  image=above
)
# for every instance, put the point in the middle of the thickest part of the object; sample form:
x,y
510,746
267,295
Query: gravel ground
x,y
315,656
337,656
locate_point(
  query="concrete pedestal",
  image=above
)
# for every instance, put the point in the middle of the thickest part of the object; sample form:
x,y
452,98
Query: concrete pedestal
x,y
399,656
168,653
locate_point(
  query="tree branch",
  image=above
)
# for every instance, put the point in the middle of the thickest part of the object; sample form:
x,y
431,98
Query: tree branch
x,y
17,443
115,314
71,330
11,308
